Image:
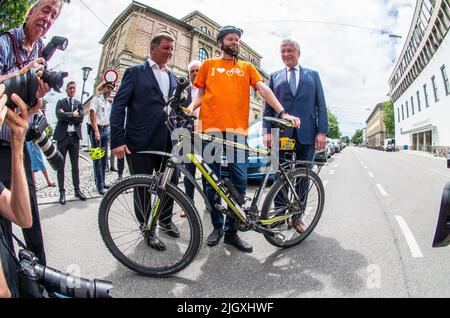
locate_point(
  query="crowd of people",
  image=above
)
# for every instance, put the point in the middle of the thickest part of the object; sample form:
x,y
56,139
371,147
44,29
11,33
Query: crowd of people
x,y
135,121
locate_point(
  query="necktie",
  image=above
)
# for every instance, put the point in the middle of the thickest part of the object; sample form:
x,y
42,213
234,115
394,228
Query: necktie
x,y
71,103
293,81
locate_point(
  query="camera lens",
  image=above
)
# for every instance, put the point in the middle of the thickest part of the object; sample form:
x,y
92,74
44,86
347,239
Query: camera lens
x,y
25,86
54,79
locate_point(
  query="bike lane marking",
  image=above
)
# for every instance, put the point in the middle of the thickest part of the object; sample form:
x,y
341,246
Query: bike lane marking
x,y
371,174
332,172
382,191
409,236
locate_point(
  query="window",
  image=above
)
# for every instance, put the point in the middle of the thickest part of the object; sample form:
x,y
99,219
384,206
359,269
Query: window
x,y
412,105
427,103
435,89
418,101
205,29
403,113
407,110
445,78
398,114
202,55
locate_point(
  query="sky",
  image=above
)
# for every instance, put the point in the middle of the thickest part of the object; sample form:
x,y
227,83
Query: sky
x,y
354,63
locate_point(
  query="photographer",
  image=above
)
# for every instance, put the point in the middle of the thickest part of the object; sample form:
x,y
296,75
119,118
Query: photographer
x,y
20,50
13,207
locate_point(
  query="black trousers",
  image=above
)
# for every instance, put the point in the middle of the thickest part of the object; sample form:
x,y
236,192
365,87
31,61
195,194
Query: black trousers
x,y
148,164
33,236
70,144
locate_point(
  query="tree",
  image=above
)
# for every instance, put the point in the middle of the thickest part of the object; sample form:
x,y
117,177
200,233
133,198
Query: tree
x,y
12,13
389,118
357,138
345,139
333,127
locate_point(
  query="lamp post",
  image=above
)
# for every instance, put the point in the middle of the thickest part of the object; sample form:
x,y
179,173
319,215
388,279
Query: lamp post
x,y
86,70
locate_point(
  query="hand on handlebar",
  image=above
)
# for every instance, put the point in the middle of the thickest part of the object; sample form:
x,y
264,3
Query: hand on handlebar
x,y
294,120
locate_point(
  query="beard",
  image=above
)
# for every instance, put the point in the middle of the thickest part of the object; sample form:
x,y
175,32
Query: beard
x,y
230,50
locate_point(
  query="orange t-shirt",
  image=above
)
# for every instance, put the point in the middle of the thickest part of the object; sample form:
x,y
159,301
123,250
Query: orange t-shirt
x,y
226,103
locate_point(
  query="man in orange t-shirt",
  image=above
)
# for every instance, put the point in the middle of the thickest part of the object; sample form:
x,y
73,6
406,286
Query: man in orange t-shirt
x,y
224,97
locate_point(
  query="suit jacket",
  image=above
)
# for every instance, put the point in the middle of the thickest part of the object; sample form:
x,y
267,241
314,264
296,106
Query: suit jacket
x,y
141,96
308,104
65,117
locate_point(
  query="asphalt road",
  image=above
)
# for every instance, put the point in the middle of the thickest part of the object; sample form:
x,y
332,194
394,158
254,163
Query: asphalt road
x,y
359,248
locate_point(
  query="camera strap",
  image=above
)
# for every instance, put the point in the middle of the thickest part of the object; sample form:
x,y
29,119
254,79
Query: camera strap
x,y
15,45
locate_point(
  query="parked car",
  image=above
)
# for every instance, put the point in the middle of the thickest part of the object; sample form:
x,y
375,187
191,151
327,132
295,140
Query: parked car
x,y
331,146
389,144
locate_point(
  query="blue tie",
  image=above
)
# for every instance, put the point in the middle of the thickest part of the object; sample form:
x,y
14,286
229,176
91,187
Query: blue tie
x,y
293,81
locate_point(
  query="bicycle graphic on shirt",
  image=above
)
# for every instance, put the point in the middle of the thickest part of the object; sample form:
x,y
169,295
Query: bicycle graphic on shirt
x,y
137,206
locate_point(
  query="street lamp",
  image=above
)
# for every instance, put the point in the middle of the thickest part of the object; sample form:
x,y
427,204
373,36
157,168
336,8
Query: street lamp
x,y
86,70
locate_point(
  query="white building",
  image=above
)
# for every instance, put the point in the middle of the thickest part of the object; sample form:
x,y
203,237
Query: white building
x,y
419,85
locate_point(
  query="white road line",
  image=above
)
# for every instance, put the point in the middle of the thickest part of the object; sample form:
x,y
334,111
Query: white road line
x,y
382,191
332,172
336,166
365,167
412,243
325,183
371,174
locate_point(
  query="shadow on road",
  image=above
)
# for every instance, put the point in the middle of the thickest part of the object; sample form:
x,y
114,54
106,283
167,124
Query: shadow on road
x,y
224,272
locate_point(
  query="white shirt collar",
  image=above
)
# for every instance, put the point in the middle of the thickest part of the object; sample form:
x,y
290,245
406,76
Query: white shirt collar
x,y
153,64
297,67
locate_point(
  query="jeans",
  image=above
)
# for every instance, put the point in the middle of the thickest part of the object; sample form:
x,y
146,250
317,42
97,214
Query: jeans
x,y
238,176
100,165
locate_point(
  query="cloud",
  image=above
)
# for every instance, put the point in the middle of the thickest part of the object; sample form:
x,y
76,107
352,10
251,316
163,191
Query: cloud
x,y
354,63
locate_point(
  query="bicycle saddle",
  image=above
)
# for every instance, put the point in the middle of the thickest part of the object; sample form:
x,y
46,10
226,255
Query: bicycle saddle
x,y
279,123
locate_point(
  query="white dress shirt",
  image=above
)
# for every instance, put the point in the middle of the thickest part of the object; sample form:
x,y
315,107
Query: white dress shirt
x,y
194,92
162,77
102,109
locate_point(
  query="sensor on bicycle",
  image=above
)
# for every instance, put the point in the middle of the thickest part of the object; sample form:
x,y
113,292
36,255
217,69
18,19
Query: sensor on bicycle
x,y
287,144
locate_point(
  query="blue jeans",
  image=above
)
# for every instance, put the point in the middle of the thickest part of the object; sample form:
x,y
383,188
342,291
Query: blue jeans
x,y
100,165
238,176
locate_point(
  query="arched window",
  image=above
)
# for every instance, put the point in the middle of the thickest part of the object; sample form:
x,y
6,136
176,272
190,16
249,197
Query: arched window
x,y
205,29
202,55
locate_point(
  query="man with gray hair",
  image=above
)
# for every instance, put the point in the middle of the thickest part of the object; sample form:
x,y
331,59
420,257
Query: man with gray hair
x,y
20,50
300,91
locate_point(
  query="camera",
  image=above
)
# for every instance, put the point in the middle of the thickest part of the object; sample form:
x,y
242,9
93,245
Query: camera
x,y
26,85
36,134
37,281
442,235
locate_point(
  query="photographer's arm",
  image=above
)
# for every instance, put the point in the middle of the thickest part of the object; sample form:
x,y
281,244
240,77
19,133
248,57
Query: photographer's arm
x,y
4,290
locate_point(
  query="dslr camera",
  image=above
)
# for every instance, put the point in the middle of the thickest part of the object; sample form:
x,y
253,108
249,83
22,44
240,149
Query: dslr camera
x,y
26,85
37,281
442,236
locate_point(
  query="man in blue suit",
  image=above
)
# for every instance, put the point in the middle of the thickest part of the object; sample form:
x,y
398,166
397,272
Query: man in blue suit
x,y
141,100
300,92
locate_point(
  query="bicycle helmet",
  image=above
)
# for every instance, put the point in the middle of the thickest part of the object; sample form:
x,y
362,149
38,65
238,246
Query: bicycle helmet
x,y
227,30
97,153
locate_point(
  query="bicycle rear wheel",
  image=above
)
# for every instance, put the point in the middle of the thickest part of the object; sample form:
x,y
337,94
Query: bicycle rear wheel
x,y
304,215
124,210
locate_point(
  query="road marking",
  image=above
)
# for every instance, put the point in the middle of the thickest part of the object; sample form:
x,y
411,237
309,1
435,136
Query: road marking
x,y
325,182
336,166
371,175
332,172
412,243
365,167
382,191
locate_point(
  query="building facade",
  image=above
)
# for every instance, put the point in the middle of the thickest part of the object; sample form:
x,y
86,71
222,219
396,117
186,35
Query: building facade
x,y
375,128
419,85
127,43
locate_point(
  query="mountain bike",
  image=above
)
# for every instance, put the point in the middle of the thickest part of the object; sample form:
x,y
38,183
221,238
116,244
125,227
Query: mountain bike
x,y
134,206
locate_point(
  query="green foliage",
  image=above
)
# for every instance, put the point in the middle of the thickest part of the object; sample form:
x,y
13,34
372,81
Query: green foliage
x,y
333,127
389,118
345,139
49,131
12,13
357,138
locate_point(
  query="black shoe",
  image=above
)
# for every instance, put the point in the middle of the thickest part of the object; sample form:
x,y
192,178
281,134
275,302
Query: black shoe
x,y
120,176
234,239
214,237
62,198
106,186
101,191
170,229
80,195
114,169
154,242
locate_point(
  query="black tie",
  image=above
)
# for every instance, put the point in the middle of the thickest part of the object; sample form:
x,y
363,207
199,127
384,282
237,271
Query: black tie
x,y
71,103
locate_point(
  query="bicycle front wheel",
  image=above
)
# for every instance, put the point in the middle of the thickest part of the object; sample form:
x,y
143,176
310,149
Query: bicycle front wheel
x,y
304,214
123,216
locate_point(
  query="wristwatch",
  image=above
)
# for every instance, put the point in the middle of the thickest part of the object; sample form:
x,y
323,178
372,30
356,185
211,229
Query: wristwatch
x,y
283,112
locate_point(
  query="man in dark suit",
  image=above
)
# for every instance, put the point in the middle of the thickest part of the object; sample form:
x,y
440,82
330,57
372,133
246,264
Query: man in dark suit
x,y
68,134
141,100
300,91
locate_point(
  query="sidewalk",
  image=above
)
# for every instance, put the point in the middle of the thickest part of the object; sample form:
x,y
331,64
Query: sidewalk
x,y
422,154
49,195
